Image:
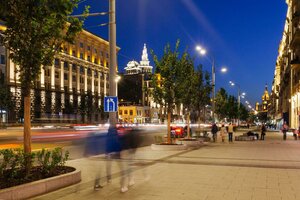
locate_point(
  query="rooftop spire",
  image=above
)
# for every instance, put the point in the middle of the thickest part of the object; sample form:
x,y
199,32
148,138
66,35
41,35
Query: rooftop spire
x,y
145,54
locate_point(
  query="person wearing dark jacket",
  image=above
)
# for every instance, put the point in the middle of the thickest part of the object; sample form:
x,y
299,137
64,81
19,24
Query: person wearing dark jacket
x,y
263,132
214,131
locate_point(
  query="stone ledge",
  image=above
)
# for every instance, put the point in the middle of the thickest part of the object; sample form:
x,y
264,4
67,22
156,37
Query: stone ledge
x,y
191,143
167,147
40,187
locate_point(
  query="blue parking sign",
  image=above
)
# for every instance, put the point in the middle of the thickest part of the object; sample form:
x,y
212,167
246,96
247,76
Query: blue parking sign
x,y
111,104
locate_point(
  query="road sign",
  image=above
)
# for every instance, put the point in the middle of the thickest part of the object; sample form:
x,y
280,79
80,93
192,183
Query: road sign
x,y
111,104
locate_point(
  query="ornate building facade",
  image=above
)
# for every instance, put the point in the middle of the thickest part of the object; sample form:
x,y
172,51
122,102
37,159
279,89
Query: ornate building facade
x,y
77,80
285,96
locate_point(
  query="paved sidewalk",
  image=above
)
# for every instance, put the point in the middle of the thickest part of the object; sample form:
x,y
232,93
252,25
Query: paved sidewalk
x,y
249,170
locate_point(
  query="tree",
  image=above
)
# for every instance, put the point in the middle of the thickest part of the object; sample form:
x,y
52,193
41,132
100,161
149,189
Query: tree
x,y
221,103
202,93
165,79
193,91
35,32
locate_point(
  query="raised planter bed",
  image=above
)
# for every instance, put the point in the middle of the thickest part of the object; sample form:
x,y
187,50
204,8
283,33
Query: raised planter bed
x,y
169,147
40,187
192,142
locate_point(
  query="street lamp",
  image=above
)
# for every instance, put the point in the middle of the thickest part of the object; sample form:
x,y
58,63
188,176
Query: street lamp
x,y
203,52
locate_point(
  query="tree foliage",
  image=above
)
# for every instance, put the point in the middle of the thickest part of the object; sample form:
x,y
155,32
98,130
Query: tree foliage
x,y
36,30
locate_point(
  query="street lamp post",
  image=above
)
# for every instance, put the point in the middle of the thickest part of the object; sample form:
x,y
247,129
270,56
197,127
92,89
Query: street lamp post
x,y
112,58
202,51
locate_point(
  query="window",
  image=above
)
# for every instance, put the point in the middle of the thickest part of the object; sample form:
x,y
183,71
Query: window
x,y
65,76
81,70
88,48
2,59
56,62
95,50
81,55
120,112
56,75
74,78
73,53
74,67
131,112
125,112
95,61
95,73
66,66
81,45
89,58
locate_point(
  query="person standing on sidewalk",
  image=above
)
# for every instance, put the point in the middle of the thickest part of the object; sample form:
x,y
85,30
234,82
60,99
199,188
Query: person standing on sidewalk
x,y
223,133
230,132
284,129
263,132
214,131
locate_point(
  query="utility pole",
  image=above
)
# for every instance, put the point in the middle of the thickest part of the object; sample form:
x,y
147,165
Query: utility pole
x,y
112,58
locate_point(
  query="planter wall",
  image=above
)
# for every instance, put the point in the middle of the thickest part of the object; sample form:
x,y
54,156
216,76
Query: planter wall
x,y
167,147
40,187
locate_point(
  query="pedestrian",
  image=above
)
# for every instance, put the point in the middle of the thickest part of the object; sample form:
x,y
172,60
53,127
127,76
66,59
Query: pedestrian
x,y
113,149
214,131
130,141
230,132
295,133
263,132
284,130
223,132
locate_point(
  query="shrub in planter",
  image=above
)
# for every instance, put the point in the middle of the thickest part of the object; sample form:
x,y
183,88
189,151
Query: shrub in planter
x,y
45,164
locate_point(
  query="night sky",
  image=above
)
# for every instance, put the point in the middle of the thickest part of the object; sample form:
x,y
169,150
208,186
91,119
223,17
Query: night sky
x,y
243,35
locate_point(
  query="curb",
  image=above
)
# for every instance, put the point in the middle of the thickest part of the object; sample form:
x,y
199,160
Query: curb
x,y
160,147
40,187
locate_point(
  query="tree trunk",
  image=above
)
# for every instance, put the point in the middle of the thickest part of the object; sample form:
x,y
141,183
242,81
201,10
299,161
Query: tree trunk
x,y
27,124
169,127
188,125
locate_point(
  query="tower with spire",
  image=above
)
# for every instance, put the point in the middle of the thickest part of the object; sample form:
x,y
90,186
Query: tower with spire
x,y
143,67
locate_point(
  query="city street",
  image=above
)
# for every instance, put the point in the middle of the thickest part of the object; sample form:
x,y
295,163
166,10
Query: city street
x,y
253,170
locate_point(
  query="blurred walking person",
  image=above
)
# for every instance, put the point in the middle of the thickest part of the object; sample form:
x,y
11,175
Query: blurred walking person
x,y
214,131
130,141
230,132
113,149
223,133
284,130
263,132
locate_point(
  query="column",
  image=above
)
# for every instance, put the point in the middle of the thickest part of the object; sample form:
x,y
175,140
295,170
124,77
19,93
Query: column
x,y
99,83
11,68
62,79
85,80
42,77
70,77
17,73
93,82
52,76
78,79
105,75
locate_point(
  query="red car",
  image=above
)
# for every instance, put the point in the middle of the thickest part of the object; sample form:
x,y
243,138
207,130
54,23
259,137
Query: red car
x,y
178,131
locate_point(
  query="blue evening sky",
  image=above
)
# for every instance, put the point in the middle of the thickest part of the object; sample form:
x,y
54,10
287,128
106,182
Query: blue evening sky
x,y
241,34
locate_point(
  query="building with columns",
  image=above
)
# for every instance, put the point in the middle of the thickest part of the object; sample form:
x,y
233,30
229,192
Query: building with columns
x,y
79,74
285,96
